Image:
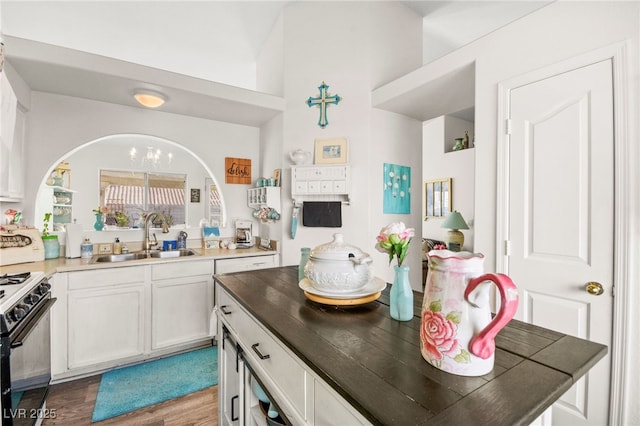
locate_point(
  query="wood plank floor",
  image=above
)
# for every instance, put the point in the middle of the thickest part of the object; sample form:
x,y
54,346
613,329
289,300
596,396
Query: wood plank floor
x,y
74,401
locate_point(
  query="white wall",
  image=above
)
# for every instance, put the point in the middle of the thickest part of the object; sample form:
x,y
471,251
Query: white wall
x,y
353,47
271,157
270,62
395,139
59,124
438,162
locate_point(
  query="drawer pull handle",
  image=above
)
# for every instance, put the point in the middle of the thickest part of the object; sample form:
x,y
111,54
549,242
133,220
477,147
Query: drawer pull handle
x,y
257,351
234,416
225,309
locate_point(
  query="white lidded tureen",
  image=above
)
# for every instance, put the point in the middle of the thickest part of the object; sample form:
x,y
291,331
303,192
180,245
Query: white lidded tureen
x,y
337,267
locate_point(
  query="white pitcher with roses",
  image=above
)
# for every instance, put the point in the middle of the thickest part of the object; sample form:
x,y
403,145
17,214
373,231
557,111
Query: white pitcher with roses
x,y
457,332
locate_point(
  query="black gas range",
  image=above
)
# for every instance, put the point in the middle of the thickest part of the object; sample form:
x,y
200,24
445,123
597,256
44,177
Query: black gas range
x,y
25,347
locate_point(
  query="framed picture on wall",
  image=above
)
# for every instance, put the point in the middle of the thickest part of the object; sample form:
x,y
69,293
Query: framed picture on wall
x,y
277,177
437,195
331,151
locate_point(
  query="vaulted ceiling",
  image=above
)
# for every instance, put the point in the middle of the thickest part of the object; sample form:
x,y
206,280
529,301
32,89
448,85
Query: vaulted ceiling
x,y
201,54
219,40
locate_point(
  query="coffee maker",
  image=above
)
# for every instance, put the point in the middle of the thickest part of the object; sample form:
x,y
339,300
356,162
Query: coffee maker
x,y
244,234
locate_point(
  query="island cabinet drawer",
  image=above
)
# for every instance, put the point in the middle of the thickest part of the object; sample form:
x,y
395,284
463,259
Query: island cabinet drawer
x,y
329,408
174,269
239,264
281,372
105,277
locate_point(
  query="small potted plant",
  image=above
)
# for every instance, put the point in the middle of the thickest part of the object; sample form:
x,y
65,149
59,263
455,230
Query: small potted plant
x,y
122,220
51,244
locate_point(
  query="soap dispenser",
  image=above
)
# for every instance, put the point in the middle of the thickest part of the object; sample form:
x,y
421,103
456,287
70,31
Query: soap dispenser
x,y
117,246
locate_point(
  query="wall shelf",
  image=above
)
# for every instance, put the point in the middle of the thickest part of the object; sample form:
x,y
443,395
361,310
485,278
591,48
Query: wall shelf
x,y
266,196
321,183
61,206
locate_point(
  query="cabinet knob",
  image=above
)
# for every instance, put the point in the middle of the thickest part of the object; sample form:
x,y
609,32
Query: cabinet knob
x,y
225,310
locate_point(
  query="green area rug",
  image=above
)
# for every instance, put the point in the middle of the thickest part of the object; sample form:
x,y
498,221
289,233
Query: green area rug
x,y
131,388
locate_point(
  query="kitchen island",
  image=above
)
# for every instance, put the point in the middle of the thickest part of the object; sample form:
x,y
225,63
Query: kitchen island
x,y
374,363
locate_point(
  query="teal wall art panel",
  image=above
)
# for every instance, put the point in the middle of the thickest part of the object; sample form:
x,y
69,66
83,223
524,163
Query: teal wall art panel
x,y
397,185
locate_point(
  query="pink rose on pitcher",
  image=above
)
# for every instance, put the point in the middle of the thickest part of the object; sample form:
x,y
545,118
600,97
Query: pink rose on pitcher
x,y
438,335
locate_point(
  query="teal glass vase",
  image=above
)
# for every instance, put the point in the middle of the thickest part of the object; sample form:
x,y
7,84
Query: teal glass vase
x,y
304,258
99,225
401,295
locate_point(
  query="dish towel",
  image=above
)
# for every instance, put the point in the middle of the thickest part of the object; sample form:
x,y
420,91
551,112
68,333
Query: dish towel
x,y
326,214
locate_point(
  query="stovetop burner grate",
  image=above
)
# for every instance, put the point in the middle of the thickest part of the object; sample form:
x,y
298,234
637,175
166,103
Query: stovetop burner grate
x,y
16,287
7,279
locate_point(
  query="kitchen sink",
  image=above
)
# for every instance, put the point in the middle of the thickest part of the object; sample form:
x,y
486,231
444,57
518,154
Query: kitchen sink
x,y
172,253
112,258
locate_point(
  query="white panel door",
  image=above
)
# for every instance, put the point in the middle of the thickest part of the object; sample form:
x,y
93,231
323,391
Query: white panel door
x,y
561,218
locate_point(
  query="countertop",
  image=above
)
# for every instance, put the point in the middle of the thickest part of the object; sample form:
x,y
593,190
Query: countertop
x,y
374,362
61,264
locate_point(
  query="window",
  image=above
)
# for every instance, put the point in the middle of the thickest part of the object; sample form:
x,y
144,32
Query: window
x,y
216,217
127,195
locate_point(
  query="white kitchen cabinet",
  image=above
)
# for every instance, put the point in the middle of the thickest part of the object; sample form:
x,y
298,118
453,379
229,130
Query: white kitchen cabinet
x,y
105,325
109,317
105,316
301,396
321,183
249,263
229,371
12,159
181,303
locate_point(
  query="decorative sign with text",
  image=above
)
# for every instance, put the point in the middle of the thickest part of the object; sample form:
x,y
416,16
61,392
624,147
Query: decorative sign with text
x,y
237,170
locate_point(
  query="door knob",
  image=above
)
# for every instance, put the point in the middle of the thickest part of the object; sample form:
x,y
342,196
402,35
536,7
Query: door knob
x,y
594,288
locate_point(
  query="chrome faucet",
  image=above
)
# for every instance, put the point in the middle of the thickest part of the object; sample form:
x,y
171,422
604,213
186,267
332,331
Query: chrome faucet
x,y
147,244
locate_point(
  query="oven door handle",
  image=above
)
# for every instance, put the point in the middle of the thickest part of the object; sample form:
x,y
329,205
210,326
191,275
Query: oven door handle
x,y
24,332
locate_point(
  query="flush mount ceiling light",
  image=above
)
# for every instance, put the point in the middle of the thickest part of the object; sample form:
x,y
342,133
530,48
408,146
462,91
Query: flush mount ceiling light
x,y
149,98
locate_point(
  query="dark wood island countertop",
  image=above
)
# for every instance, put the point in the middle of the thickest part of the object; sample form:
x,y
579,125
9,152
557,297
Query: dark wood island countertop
x,y
374,362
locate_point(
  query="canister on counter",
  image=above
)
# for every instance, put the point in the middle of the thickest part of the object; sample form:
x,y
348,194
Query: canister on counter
x,y
182,240
86,249
51,246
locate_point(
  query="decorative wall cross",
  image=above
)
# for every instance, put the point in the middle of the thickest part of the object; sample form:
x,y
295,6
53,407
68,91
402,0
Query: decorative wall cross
x,y
322,101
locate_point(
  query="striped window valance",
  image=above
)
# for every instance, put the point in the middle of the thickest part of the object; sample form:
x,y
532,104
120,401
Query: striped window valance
x,y
134,195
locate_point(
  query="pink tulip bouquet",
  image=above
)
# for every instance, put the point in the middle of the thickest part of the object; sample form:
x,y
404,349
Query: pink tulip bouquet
x,y
394,240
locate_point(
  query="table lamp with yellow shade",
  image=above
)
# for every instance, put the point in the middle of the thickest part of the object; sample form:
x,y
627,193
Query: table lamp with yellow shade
x,y
454,222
